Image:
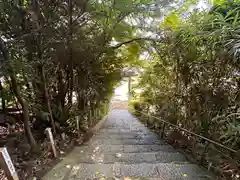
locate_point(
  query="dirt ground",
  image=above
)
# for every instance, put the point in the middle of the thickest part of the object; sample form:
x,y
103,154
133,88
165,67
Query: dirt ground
x,y
29,165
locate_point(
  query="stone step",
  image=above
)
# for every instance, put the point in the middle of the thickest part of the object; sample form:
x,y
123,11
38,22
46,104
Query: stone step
x,y
123,148
131,158
118,130
97,142
126,128
161,171
136,137
126,136
126,149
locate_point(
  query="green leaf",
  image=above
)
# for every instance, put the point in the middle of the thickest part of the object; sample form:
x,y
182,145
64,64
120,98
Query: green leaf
x,y
172,21
217,2
123,5
236,19
25,3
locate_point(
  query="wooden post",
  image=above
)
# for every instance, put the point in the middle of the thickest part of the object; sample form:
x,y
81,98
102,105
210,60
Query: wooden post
x,y
90,117
95,116
96,113
105,109
152,120
52,143
63,135
99,113
7,165
78,129
146,120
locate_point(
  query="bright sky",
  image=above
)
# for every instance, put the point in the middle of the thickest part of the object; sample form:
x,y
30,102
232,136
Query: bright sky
x,y
203,5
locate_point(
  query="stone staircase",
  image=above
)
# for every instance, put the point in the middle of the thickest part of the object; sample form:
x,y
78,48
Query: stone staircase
x,y
125,149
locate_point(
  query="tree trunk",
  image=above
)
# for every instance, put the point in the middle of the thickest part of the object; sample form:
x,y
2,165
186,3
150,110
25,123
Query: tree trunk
x,y
39,21
21,100
47,99
25,109
70,22
62,90
177,76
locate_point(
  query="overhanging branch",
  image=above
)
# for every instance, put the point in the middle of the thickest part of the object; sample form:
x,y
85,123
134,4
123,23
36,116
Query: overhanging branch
x,y
126,42
135,40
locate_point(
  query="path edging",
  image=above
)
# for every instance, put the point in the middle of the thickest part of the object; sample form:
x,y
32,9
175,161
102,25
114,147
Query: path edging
x,y
99,124
96,128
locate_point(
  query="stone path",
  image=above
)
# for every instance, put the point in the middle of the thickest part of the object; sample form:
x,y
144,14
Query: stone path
x,y
125,149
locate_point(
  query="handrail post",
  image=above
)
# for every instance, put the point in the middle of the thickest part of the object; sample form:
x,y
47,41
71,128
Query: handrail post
x,y
152,120
146,120
162,130
149,120
204,151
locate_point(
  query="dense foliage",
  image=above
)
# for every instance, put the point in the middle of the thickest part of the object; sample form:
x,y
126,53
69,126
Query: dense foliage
x,y
193,77
63,58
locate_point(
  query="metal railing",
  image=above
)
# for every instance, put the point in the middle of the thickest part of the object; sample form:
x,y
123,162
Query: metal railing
x,y
189,132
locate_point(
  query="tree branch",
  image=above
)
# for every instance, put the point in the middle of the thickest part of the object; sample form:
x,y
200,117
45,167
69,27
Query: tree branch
x,y
126,42
134,40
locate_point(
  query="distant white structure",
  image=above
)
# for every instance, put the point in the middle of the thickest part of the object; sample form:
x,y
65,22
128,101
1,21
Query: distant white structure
x,y
121,92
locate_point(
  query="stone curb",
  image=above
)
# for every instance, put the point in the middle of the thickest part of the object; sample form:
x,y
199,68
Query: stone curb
x,y
99,124
96,128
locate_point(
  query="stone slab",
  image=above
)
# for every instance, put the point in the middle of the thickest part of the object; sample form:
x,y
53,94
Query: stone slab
x,y
125,142
130,158
125,149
